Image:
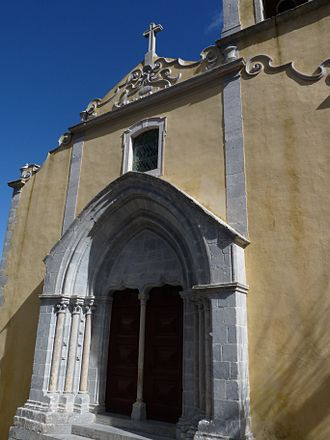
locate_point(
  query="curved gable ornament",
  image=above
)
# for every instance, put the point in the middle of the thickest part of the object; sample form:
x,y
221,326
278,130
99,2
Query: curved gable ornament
x,y
148,79
201,243
264,63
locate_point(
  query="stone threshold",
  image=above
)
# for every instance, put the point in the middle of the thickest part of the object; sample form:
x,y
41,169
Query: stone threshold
x,y
98,431
146,426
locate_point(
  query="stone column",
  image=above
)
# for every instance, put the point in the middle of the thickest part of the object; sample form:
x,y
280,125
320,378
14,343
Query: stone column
x,y
139,407
208,367
98,362
201,357
82,400
196,358
71,362
86,347
57,348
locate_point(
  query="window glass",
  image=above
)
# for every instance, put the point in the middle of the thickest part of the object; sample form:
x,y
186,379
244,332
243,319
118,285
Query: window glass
x,y
145,151
273,7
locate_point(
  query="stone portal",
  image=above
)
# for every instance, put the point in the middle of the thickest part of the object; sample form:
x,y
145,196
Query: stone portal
x,y
141,237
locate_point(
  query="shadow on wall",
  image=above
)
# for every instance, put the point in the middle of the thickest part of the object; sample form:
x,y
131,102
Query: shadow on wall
x,y
17,359
291,400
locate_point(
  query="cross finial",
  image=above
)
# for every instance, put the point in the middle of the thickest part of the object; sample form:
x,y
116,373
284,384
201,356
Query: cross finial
x,y
151,34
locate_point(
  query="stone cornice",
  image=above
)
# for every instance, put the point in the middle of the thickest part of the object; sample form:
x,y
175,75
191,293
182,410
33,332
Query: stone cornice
x,y
179,88
210,289
16,184
66,297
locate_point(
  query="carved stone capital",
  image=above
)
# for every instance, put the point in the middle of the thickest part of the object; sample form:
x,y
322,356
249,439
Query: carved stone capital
x,y
76,305
61,307
89,306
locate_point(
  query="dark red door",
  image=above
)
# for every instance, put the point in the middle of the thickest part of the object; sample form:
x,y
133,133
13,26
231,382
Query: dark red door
x,y
123,352
163,355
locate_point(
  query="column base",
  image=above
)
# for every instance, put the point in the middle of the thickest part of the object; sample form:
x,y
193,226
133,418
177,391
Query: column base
x,y
139,411
208,436
81,403
35,419
222,430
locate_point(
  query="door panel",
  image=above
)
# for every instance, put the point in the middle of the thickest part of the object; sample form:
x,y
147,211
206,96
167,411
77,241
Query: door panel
x,y
163,354
123,352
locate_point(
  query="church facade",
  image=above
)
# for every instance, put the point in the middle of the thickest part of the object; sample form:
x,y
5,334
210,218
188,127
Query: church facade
x,y
165,271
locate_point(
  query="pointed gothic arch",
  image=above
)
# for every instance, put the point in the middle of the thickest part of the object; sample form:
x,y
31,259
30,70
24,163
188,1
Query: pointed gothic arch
x,y
132,203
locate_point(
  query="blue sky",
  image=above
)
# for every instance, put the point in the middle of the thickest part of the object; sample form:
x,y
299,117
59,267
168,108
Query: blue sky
x,y
55,56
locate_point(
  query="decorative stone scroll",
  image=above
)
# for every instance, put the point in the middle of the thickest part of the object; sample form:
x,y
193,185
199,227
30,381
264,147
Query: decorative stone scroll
x,y
149,79
64,139
264,63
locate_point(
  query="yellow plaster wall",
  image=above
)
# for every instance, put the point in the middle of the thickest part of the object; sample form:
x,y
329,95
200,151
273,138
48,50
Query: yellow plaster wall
x,y
194,143
38,227
246,13
303,39
286,131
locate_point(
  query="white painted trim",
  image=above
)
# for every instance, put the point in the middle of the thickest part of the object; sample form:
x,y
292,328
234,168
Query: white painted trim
x,y
259,11
136,130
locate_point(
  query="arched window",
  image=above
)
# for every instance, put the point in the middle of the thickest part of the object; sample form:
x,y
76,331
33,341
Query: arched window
x,y
143,145
273,7
145,151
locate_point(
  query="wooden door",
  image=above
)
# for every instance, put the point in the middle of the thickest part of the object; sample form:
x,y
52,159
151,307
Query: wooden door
x,y
163,355
123,352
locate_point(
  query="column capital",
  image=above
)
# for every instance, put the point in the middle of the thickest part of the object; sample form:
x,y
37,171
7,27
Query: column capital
x,y
61,306
89,300
76,305
88,308
89,305
143,297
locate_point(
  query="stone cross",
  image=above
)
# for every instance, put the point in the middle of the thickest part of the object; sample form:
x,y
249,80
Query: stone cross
x,y
151,35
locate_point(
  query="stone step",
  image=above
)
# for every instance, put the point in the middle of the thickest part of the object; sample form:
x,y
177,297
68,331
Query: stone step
x,y
97,431
146,426
63,437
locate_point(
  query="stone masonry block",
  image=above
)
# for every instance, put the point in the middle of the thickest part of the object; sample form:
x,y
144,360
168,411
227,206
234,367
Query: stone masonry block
x,y
221,370
217,352
219,389
228,300
234,334
234,369
229,353
232,390
226,410
228,316
219,333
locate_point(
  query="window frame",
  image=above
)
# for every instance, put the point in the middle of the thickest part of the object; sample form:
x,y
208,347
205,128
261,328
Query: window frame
x,y
134,131
260,10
